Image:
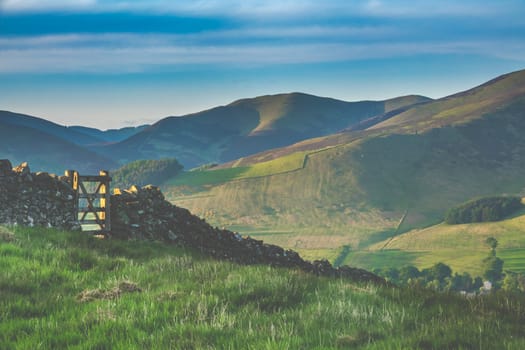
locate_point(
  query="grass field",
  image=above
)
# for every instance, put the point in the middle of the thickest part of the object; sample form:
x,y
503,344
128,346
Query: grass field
x,y
462,247
68,290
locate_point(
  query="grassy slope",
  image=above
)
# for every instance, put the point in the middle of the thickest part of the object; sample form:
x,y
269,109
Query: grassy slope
x,y
186,301
425,247
460,108
356,190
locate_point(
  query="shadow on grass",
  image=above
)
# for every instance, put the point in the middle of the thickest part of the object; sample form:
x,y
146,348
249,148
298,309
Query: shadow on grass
x,y
376,237
84,243
381,258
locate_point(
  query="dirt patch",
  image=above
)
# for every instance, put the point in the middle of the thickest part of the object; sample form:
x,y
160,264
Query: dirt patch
x,y
6,235
113,293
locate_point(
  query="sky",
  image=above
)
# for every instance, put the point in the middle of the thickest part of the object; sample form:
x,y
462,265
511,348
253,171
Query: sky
x,y
116,63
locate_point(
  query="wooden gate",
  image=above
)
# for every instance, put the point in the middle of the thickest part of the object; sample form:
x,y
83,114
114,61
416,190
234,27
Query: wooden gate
x,y
92,201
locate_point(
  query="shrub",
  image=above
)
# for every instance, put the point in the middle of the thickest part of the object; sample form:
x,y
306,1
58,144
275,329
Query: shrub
x,y
483,210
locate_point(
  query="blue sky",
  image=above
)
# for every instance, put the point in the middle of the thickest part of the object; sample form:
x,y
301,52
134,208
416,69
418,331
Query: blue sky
x,y
108,64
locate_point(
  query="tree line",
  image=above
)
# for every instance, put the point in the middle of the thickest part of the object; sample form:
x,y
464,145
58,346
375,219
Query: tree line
x,y
440,277
144,172
483,210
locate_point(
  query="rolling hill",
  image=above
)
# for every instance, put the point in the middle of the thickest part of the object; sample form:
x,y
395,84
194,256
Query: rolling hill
x,y
249,126
59,131
462,246
50,146
244,127
47,152
110,135
359,187
53,147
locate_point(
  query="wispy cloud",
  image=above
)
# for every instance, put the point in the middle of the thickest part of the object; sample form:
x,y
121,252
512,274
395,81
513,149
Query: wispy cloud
x,y
425,8
274,9
283,32
142,53
46,5
309,33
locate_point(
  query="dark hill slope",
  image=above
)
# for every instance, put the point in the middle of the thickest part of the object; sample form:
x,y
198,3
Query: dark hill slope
x,y
46,151
110,135
248,126
355,184
60,131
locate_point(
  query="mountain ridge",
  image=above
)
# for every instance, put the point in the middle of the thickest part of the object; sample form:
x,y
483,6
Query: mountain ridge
x,y
248,126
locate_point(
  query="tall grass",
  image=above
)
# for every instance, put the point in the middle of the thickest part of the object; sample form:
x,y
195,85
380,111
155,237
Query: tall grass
x,y
145,295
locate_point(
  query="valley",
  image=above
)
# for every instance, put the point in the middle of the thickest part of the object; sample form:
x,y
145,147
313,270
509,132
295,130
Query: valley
x,y
278,175
314,174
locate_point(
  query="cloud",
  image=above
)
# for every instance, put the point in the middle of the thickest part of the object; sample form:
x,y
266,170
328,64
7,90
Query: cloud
x,y
125,53
46,5
275,9
425,8
311,33
338,38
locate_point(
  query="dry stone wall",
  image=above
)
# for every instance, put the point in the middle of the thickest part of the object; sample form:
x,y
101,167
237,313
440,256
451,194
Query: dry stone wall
x,y
41,199
35,199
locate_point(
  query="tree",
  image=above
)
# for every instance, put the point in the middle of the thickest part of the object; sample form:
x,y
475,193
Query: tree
x,y
408,272
492,243
440,271
514,282
461,282
392,274
493,269
144,172
510,282
483,209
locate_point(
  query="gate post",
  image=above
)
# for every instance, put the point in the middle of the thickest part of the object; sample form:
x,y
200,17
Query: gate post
x,y
105,201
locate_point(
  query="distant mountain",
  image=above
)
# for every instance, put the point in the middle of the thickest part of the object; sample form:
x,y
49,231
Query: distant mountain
x,y
46,151
110,135
60,131
359,187
248,126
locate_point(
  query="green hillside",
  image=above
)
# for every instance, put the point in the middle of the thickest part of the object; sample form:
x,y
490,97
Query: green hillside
x,y
460,108
65,290
358,188
461,246
248,126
